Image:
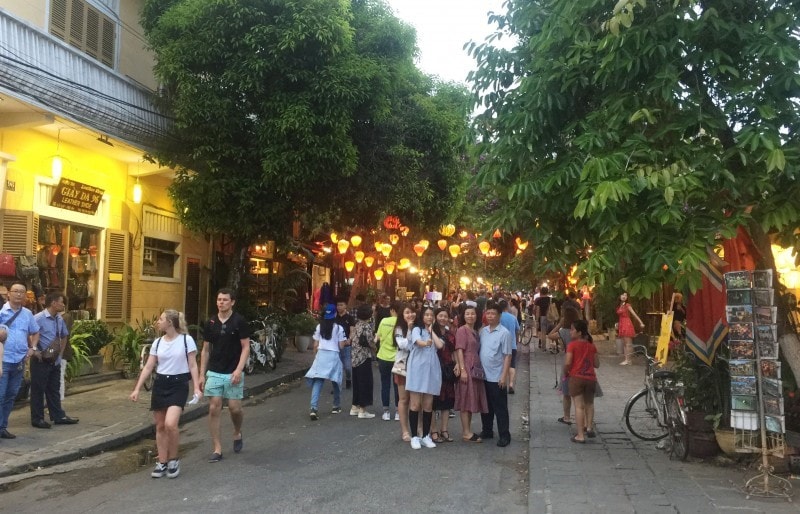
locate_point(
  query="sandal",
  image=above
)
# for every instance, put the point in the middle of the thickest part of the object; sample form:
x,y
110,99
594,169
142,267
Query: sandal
x,y
446,437
474,439
406,437
436,438
579,441
565,421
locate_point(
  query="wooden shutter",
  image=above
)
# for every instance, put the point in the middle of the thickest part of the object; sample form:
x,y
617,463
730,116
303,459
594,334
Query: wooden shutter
x,y
18,230
115,297
58,18
84,27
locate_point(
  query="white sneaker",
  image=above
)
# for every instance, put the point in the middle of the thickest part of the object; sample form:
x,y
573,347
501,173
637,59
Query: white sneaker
x,y
427,442
386,416
354,411
397,416
365,415
173,468
161,469
415,443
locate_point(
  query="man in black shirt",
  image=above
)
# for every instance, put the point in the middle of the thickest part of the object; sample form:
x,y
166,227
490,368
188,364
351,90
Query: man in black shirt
x,y
226,347
346,320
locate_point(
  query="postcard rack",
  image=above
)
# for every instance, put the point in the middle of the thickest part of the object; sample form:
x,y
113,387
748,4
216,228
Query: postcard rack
x,y
757,414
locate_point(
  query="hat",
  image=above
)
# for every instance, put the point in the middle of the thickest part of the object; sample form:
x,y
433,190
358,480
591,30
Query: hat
x,y
330,311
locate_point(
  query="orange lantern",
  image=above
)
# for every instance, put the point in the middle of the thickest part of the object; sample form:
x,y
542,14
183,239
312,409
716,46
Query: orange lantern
x,y
386,249
419,249
378,246
391,222
349,265
442,244
343,245
359,255
497,234
93,251
389,267
522,245
484,247
334,237
394,238
369,260
74,251
447,230
425,243
55,249
454,250
404,263
404,230
355,241
378,274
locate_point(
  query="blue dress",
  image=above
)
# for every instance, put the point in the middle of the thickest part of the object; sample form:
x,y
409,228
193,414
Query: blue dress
x,y
423,372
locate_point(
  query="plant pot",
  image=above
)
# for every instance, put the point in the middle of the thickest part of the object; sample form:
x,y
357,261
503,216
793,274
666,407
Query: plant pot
x,y
93,367
726,441
702,440
302,343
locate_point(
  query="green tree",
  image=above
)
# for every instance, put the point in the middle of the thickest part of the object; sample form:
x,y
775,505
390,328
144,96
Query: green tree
x,y
632,137
295,108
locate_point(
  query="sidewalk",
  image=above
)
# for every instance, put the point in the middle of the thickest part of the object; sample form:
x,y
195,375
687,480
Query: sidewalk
x,y
616,472
108,419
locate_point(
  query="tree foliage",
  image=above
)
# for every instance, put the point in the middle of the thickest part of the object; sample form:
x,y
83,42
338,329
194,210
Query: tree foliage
x,y
301,108
642,131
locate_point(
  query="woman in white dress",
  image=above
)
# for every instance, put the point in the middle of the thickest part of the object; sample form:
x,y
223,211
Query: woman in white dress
x,y
329,338
423,377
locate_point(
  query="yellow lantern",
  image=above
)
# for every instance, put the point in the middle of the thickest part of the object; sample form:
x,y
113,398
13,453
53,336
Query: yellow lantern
x,y
386,249
425,243
454,250
369,260
355,241
378,246
349,265
389,267
334,237
394,238
447,230
404,230
442,244
378,274
404,263
359,255
463,234
343,245
419,249
484,247
522,245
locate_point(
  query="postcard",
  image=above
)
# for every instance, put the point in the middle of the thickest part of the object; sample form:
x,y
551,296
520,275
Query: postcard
x,y
763,297
767,333
771,387
762,278
775,424
743,385
773,405
742,349
739,313
741,368
768,350
744,402
769,368
739,297
765,315
738,280
740,331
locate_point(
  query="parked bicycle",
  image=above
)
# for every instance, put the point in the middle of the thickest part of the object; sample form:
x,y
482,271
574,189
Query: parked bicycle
x,y
528,329
144,354
263,346
657,411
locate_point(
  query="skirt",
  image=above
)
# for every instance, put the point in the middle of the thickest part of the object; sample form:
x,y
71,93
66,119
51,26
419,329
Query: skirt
x,y
170,391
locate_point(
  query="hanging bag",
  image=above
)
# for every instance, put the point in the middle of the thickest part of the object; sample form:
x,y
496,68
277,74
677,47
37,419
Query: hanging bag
x,y
7,266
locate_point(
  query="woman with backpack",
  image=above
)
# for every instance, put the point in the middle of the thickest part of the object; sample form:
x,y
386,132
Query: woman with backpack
x,y
361,342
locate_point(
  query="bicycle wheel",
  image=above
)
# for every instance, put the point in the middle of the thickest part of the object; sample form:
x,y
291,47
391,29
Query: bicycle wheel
x,y
678,431
641,418
148,384
250,364
272,360
525,341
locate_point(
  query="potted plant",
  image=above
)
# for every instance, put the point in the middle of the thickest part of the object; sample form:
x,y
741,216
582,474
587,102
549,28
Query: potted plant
x,y
79,364
302,327
98,336
126,348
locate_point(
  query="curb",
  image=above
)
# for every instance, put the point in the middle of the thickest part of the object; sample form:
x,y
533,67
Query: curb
x,y
133,435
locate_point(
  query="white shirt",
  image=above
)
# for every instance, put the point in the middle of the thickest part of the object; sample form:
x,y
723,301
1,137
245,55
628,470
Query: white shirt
x,y
332,344
172,354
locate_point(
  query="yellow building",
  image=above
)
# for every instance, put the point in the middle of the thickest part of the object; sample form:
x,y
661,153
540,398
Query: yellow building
x,y
76,117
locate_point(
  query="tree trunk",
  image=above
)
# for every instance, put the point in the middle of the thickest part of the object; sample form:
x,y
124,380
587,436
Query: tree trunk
x,y
239,263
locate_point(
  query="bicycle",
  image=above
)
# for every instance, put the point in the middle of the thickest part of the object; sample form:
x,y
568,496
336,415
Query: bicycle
x,y
144,354
657,411
263,347
529,327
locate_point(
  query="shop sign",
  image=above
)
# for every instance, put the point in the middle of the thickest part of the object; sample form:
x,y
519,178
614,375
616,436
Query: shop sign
x,y
78,197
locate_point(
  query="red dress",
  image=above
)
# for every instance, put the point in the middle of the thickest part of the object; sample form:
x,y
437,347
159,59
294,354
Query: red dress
x,y
625,325
470,397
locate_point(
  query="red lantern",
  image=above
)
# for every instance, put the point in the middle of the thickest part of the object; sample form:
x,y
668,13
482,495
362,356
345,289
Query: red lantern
x,y
74,251
391,222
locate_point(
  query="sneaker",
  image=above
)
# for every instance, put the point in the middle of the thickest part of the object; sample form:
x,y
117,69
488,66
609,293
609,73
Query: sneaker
x,y
427,442
173,468
386,416
452,414
365,415
415,443
354,410
397,416
159,471
314,415
336,410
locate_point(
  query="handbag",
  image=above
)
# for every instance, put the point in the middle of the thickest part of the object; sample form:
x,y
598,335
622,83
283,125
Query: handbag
x,y
476,372
399,368
50,354
8,268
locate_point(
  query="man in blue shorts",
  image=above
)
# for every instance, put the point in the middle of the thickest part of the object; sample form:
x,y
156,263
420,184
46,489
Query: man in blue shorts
x,y
226,347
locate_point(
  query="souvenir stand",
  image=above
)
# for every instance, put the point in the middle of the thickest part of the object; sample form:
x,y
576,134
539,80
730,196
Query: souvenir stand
x,y
757,414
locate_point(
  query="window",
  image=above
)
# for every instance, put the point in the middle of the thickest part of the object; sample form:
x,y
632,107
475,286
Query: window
x,y
84,27
159,258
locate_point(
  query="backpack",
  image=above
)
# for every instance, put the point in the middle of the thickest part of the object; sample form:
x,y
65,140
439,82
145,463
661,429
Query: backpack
x,y
552,312
363,340
7,266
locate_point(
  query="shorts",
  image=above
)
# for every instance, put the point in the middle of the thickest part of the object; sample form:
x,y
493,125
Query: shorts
x,y
582,387
219,384
169,391
514,359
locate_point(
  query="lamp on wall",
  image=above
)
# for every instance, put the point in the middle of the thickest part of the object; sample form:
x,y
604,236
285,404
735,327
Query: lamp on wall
x,y
56,166
137,192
